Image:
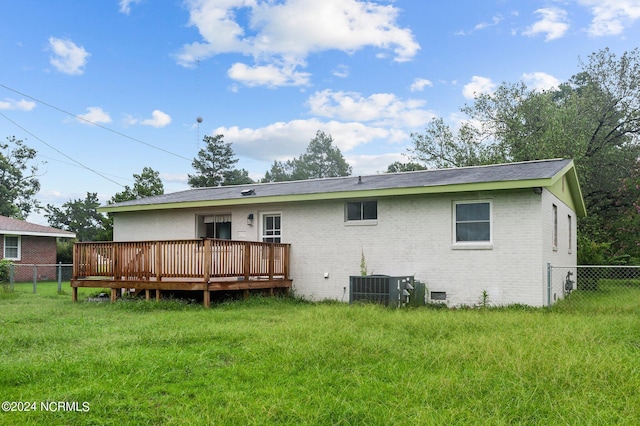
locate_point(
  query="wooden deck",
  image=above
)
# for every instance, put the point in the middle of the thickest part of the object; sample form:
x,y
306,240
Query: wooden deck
x,y
204,265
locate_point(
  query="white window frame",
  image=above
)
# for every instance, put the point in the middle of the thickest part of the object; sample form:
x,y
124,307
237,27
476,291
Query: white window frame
x,y
263,230
19,251
360,221
570,223
554,227
482,245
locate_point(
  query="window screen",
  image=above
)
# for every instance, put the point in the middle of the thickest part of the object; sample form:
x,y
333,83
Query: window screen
x,y
473,222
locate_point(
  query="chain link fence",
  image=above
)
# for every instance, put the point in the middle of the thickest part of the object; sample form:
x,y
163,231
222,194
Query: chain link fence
x,y
593,284
35,273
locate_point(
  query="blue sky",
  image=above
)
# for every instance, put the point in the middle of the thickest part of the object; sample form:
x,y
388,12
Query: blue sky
x,y
102,89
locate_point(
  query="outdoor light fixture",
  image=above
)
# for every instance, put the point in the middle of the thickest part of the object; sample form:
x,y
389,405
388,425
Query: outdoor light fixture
x,y
250,219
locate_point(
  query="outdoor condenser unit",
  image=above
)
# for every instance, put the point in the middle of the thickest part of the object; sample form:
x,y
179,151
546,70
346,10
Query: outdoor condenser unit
x,y
383,289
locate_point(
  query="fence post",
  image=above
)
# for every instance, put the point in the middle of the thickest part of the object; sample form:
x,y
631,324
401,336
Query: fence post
x,y
11,276
35,277
548,284
59,277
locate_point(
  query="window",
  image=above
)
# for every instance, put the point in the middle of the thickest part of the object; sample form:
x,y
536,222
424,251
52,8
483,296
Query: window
x,y
271,228
554,235
362,210
472,222
217,226
12,247
570,242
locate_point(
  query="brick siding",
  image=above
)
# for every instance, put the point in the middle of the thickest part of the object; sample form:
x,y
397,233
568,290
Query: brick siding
x,y
34,250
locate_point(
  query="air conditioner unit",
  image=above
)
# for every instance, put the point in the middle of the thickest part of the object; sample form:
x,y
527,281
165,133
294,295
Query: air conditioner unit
x,y
382,289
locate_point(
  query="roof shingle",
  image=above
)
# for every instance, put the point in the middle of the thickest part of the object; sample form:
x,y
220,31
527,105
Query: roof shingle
x,y
20,227
531,170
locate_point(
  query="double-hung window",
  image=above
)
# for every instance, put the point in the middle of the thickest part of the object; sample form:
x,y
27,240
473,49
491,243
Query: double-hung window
x,y
12,247
472,222
361,210
271,228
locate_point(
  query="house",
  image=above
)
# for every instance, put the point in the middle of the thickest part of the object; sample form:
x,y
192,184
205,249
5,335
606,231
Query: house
x,y
465,231
25,243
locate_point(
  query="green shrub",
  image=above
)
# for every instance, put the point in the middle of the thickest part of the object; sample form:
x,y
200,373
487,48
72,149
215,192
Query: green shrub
x,y
5,272
5,266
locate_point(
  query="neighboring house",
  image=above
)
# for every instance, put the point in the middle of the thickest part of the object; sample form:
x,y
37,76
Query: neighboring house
x,y
462,231
25,243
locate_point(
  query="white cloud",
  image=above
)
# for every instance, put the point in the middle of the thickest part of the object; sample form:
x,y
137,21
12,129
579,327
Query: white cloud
x,y
497,19
125,5
174,177
21,105
95,115
494,21
285,140
158,119
611,17
267,75
283,34
67,57
373,164
540,81
553,23
379,109
478,85
419,84
341,71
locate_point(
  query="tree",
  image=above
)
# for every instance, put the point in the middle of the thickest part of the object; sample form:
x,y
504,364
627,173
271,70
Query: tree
x,y
440,148
280,171
214,165
18,179
237,177
146,184
397,167
320,160
593,118
80,216
624,224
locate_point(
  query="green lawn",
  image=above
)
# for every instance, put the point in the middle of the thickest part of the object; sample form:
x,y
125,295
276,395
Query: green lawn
x,y
284,361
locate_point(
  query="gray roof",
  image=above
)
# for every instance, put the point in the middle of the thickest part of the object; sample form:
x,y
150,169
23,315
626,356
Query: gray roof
x,y
20,227
524,171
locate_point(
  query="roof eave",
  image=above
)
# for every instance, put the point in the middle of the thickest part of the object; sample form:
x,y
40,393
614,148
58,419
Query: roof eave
x,y
339,195
38,234
574,184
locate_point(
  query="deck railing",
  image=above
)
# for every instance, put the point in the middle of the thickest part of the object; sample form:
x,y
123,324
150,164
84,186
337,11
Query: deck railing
x,y
204,259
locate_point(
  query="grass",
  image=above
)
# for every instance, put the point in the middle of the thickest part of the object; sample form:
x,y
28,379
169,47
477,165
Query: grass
x,y
285,361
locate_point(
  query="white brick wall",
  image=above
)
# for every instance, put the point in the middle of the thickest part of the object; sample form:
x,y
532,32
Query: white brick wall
x,y
413,236
562,255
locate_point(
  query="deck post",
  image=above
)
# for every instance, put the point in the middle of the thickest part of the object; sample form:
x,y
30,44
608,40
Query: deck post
x,y
247,260
117,275
158,261
74,294
207,298
147,295
75,260
114,295
158,295
271,260
207,260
